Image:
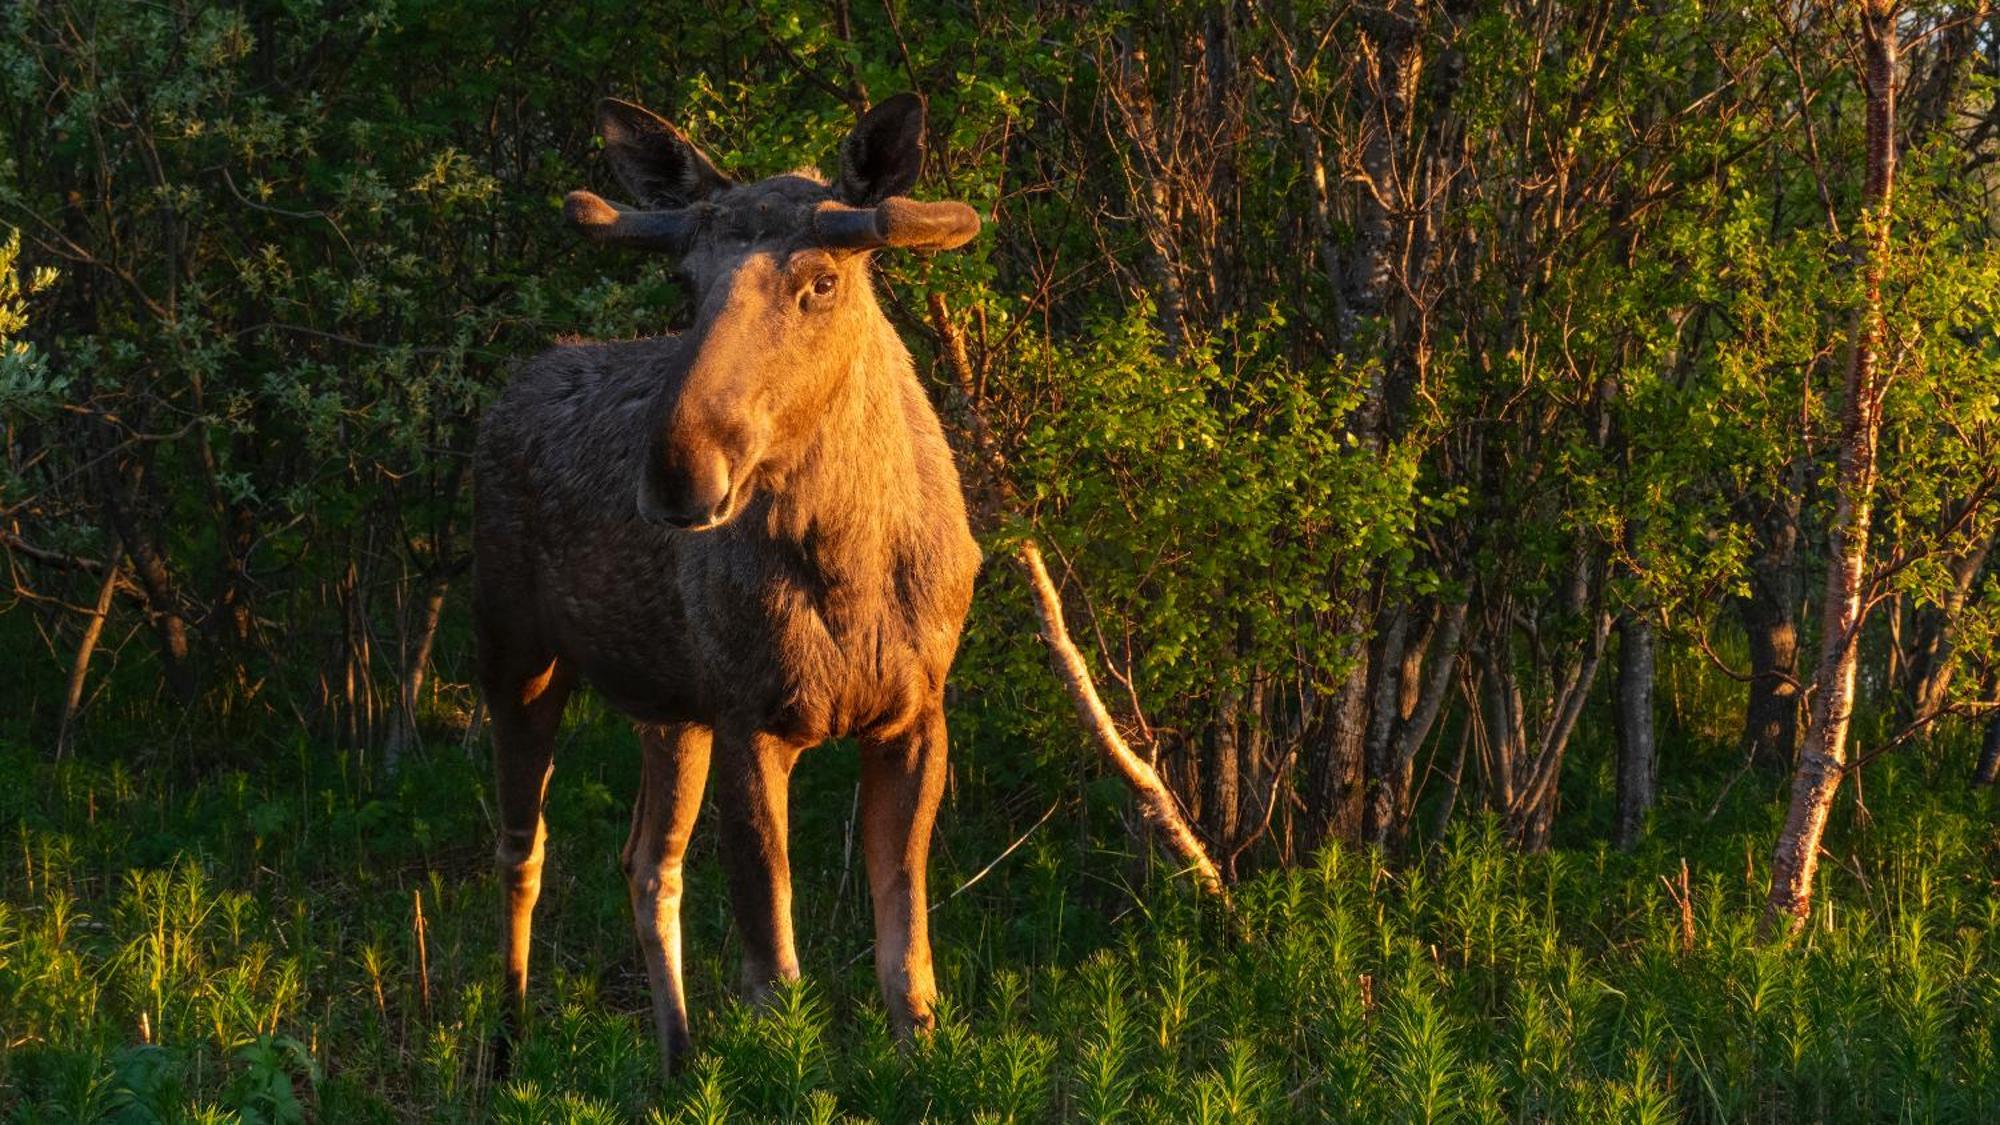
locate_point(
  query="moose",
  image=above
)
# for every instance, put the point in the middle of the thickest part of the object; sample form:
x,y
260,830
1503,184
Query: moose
x,y
748,537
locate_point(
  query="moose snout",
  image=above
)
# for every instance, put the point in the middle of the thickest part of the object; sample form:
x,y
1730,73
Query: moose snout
x,y
692,493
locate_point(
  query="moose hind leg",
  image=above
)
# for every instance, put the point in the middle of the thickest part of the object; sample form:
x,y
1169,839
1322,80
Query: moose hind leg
x,y
902,780
526,712
674,770
752,778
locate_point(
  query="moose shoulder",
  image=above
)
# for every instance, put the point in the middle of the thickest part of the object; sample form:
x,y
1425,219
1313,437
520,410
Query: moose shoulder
x,y
749,537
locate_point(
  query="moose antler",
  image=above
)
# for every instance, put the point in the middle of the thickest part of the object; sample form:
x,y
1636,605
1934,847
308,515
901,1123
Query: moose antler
x,y
604,221
896,221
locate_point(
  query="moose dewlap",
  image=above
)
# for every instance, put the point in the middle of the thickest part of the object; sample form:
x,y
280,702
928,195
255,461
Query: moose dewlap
x,y
749,537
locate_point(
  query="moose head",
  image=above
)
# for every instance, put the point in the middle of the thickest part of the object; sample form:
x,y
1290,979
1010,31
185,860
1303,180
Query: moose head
x,y
779,273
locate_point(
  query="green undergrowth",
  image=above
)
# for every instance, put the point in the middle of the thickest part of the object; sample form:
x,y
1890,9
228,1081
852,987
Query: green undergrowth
x,y
241,944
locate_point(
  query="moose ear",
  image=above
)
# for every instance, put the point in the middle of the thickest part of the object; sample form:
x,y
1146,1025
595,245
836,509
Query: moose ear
x,y
656,162
884,153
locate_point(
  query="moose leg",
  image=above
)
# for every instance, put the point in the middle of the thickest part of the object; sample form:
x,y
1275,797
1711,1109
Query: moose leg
x,y
752,779
671,779
526,712
902,780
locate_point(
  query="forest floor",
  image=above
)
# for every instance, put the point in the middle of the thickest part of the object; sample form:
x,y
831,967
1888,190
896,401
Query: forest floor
x,y
194,942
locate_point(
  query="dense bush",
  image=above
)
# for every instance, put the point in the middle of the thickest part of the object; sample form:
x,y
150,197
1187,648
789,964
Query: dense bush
x,y
1279,428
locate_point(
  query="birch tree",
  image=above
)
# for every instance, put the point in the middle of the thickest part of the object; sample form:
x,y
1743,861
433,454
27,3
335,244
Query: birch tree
x,y
1823,758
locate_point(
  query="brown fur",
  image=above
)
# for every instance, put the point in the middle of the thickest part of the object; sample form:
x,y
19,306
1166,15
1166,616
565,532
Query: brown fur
x,y
822,596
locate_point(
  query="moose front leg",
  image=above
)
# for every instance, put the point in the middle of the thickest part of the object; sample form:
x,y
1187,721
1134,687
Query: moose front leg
x,y
752,779
902,779
671,780
526,710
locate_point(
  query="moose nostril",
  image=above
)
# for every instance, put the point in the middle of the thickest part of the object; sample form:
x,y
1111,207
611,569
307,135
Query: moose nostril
x,y
684,497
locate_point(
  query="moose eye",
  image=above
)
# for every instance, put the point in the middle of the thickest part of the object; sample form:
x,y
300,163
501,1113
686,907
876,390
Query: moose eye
x,y
823,284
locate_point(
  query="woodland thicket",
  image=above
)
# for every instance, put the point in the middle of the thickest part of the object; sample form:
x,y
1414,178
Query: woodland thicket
x,y
1435,416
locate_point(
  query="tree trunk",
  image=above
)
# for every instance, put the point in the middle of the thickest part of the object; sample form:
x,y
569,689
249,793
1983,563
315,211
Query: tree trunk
x,y
1931,654
1385,85
1254,743
157,582
1506,732
1341,767
1421,698
1822,760
1429,702
416,669
1533,817
1988,770
1134,103
1371,273
1638,751
1770,625
1381,749
1384,80
1930,671
1896,666
1225,773
1771,714
1454,780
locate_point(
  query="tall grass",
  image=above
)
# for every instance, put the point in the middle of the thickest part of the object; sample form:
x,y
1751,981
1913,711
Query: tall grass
x,y
181,944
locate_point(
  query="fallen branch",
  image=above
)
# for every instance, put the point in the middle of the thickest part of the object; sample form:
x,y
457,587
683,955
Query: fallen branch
x,y
1156,805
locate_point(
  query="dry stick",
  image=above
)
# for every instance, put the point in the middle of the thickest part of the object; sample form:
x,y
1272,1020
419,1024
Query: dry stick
x,y
1683,898
423,954
976,877
998,859
1156,805
79,669
15,543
